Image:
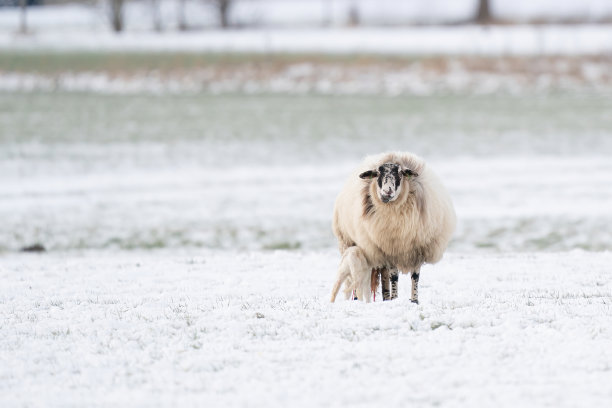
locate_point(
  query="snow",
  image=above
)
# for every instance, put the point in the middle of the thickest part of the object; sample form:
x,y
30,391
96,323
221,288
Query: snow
x,y
543,10
303,13
506,204
116,172
163,199
267,13
306,26
454,40
94,17
256,328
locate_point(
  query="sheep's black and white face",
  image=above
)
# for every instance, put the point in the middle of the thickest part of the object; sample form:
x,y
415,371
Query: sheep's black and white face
x,y
388,180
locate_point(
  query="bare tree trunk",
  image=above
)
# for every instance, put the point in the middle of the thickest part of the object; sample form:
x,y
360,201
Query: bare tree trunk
x,y
23,23
116,15
327,13
155,12
182,22
483,15
223,8
353,17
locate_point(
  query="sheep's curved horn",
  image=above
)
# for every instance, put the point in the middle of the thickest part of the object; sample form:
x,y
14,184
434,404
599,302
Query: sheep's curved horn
x,y
409,172
370,174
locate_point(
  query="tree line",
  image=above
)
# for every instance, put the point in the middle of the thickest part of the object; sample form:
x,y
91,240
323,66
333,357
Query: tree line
x,y
116,13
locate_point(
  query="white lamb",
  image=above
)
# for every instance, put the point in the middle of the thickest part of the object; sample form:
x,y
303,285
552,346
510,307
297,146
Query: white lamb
x,y
393,213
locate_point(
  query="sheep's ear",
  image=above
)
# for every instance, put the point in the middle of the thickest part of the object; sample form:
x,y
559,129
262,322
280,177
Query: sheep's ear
x,y
409,173
370,174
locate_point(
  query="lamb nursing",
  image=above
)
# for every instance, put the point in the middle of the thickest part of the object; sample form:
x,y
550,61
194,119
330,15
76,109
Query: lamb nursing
x,y
392,214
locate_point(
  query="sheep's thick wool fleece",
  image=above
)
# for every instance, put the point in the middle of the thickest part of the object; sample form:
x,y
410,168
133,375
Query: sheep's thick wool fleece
x,y
406,233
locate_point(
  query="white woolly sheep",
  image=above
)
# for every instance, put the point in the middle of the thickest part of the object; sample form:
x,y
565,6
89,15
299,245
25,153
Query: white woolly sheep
x,y
393,213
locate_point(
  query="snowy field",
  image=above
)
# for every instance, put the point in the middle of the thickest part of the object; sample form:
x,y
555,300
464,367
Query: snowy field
x,y
190,256
140,14
96,171
183,185
218,328
388,27
453,40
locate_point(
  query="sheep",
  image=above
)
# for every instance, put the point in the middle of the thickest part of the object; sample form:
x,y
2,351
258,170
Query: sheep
x,y
393,213
388,277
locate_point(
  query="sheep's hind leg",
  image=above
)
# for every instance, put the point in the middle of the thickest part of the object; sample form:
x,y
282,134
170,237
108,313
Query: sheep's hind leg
x,y
375,280
384,279
414,298
394,277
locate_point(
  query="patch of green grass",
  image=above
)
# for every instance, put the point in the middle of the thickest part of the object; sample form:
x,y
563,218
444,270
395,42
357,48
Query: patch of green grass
x,y
56,62
283,245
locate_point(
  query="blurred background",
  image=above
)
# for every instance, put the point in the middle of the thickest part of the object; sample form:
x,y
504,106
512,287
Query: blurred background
x,y
233,124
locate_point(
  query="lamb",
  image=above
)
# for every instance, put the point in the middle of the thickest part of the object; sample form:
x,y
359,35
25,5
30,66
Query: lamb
x,y
393,213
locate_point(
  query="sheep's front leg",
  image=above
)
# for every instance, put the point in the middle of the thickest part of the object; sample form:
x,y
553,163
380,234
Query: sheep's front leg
x,y
384,279
394,277
414,298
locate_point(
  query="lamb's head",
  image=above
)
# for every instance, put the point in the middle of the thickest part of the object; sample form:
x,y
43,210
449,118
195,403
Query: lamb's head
x,y
389,180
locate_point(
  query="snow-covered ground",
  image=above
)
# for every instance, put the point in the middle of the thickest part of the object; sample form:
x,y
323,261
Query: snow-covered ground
x,y
186,215
90,171
456,40
139,14
202,328
503,204
163,286
277,26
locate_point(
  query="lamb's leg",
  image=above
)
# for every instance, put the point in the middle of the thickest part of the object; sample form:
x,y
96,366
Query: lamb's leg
x,y
354,264
384,279
364,291
361,274
414,298
394,277
348,289
344,271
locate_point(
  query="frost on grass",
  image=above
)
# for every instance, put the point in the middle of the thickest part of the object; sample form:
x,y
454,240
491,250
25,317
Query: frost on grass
x,y
518,185
243,328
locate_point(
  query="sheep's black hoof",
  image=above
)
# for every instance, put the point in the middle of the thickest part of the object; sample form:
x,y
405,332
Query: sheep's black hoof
x,y
414,301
